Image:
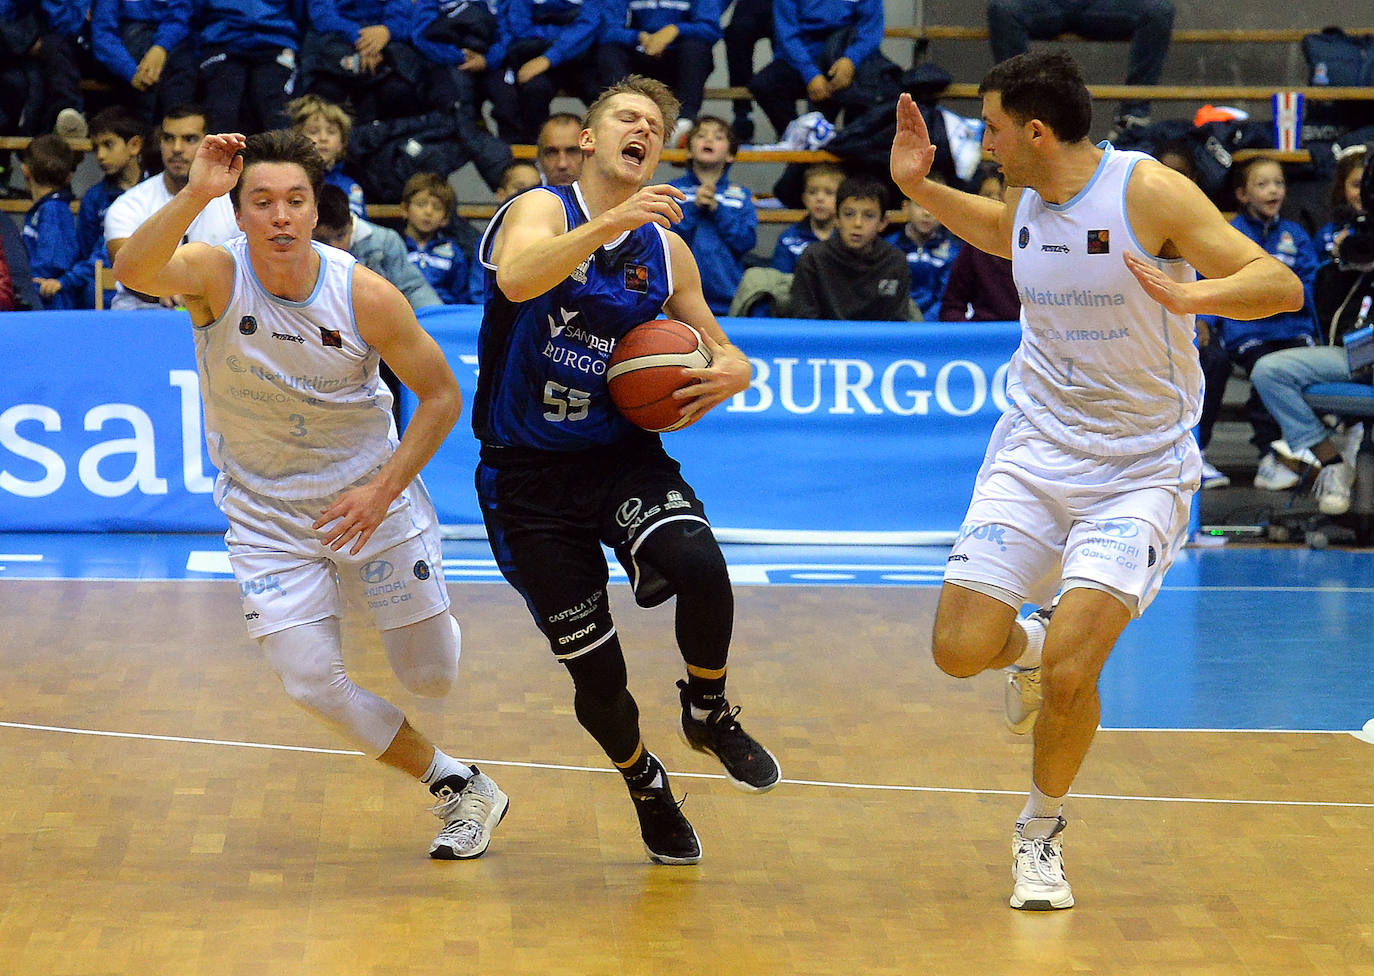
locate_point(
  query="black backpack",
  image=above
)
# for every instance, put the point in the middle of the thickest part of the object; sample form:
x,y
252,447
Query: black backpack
x,y
1338,60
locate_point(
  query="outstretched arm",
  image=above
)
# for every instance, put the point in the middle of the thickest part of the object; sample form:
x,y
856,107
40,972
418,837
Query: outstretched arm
x,y
1172,217
984,223
387,323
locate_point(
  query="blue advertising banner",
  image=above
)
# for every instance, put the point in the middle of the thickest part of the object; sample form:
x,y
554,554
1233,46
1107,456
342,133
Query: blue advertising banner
x,y
100,424
850,431
868,428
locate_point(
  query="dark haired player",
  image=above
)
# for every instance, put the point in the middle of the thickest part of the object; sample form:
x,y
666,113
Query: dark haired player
x,y
1086,485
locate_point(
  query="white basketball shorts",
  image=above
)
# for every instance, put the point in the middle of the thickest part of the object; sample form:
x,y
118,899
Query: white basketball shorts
x,y
288,576
1043,515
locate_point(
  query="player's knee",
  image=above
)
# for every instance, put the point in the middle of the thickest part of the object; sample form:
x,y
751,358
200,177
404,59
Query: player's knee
x,y
958,649
687,555
424,655
1067,682
324,694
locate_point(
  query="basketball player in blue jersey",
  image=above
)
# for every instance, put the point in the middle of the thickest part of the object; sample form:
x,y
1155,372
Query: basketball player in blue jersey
x,y
1085,488
569,270
323,501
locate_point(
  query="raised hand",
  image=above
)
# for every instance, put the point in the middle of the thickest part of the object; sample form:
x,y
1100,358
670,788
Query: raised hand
x,y
912,151
217,165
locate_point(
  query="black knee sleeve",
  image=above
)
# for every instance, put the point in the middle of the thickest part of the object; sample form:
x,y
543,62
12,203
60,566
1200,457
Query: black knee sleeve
x,y
687,556
602,700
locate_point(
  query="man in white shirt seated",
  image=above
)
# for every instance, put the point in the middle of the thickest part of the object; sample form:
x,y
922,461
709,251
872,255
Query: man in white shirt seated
x,y
181,132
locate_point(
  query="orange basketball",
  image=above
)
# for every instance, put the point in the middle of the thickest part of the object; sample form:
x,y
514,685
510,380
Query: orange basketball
x,y
648,366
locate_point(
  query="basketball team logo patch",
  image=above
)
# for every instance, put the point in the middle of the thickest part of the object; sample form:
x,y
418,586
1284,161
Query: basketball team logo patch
x,y
421,570
637,278
1099,242
332,338
1023,238
248,325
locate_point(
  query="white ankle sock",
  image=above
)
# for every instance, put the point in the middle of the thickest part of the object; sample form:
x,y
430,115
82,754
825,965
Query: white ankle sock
x,y
1035,643
1040,807
442,766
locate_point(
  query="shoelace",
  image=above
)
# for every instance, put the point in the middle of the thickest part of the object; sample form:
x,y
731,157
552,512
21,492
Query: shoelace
x,y
1042,859
727,719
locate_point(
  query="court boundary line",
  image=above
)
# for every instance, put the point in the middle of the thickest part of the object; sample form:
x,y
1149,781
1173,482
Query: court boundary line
x,y
827,784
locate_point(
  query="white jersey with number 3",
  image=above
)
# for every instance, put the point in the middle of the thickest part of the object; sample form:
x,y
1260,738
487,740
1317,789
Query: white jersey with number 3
x,y
1102,368
294,405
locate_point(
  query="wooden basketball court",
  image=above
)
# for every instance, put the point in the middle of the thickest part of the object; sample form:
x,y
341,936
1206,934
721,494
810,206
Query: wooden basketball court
x,y
182,844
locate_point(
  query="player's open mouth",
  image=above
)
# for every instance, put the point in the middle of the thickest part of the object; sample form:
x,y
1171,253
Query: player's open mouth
x,y
635,151
282,239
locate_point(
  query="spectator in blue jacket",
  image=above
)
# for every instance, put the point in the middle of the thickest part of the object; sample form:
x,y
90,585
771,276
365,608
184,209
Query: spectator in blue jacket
x,y
538,53
821,181
118,136
247,53
827,52
670,40
14,262
1260,190
40,71
454,36
358,53
145,44
49,230
930,250
719,222
450,265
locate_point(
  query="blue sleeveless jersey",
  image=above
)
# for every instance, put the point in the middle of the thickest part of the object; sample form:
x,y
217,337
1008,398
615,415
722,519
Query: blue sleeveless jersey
x,y
542,363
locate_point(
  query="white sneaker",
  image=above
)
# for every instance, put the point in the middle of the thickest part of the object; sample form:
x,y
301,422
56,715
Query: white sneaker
x,y
1037,872
1273,475
1023,696
470,813
1213,477
71,124
1348,442
1333,488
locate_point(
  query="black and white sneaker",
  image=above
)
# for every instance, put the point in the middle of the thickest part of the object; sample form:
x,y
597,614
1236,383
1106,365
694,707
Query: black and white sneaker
x,y
668,836
748,765
470,810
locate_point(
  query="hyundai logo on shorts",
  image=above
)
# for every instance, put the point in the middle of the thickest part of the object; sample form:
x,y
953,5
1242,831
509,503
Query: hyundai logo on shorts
x,y
377,571
1124,529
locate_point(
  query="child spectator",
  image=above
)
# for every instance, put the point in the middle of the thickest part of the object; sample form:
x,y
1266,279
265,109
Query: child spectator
x,y
822,182
980,286
670,40
247,54
1345,202
49,230
515,178
930,250
146,45
1260,190
379,248
432,240
118,137
719,222
328,126
853,275
538,53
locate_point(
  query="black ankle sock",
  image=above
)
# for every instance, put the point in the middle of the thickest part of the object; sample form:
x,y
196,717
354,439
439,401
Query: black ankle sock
x,y
642,773
707,694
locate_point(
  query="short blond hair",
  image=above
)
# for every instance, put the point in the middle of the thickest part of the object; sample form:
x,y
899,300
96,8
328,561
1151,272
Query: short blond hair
x,y
655,91
299,111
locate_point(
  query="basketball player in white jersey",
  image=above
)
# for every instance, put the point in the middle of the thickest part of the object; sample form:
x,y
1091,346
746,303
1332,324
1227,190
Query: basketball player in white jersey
x,y
1086,485
324,502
